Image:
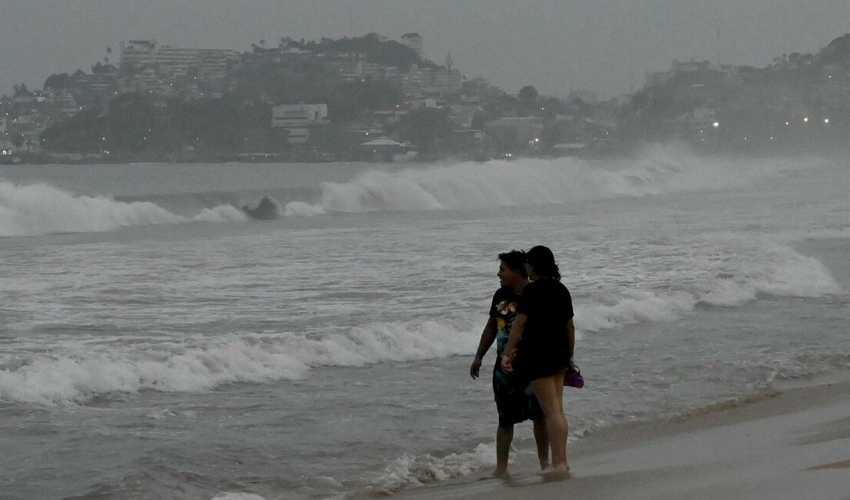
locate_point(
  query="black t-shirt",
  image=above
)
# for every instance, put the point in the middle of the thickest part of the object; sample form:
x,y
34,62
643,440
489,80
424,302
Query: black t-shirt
x,y
503,309
545,345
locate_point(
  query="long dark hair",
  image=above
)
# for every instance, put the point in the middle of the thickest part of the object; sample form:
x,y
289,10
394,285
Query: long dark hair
x,y
542,260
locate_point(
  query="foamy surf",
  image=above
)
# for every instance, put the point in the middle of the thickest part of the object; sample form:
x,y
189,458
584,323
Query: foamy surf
x,y
199,364
38,209
194,365
656,170
410,470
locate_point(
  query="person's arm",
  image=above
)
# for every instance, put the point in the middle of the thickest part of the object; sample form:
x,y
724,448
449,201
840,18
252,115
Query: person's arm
x,y
487,338
571,341
517,328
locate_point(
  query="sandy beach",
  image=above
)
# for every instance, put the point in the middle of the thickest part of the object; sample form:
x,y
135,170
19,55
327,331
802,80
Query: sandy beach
x,y
782,445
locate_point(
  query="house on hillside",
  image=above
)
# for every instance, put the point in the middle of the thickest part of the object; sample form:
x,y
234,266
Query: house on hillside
x,y
298,119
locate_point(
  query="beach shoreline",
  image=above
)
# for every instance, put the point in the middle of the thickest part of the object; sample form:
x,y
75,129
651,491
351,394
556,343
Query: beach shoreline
x,y
787,443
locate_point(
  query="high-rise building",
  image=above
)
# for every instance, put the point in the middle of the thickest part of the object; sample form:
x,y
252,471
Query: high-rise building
x,y
137,53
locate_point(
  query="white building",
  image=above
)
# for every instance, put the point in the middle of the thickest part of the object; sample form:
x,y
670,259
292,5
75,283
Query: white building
x,y
298,118
175,61
138,53
171,61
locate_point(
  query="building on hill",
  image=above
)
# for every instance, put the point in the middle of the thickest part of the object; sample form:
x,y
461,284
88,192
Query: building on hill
x,y
64,103
137,53
170,62
513,133
297,119
97,86
428,81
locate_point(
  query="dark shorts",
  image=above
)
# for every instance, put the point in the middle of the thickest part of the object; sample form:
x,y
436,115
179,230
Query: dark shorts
x,y
546,363
515,404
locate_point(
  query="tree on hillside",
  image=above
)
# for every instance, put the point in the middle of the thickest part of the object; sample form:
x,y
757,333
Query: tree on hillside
x,y
351,100
57,82
18,140
132,122
217,124
499,105
528,100
427,128
528,95
81,134
377,49
837,52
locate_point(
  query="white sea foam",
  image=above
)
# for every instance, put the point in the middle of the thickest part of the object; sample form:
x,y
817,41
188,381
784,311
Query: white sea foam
x,y
221,213
237,496
656,170
36,209
77,376
41,209
785,272
418,470
736,273
68,376
733,274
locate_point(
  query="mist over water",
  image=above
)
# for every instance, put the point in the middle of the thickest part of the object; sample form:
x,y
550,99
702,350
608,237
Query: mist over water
x,y
145,315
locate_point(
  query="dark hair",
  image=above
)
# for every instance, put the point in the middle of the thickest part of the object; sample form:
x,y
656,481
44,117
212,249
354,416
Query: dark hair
x,y
515,259
542,260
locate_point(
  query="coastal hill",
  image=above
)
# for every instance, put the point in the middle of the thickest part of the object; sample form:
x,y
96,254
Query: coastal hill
x,y
323,100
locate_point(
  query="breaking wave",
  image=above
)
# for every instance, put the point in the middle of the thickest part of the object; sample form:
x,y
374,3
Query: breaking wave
x,y
36,209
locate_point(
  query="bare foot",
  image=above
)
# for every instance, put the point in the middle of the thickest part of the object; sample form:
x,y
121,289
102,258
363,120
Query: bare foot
x,y
500,473
556,472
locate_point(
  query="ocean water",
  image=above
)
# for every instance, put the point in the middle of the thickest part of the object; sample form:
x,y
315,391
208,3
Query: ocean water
x,y
157,343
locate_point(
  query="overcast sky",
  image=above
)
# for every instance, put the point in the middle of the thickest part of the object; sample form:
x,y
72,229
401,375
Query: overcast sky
x,y
606,46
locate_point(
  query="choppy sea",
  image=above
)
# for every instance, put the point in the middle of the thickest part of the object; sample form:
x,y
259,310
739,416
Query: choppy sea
x,y
155,342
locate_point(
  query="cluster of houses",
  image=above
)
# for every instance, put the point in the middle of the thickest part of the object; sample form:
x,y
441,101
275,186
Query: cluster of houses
x,y
165,71
712,100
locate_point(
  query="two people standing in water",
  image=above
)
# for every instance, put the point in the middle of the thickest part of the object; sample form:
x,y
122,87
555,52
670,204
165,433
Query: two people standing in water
x,y
535,347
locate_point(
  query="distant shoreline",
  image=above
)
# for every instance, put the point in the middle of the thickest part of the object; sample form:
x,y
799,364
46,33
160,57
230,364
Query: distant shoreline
x,y
315,156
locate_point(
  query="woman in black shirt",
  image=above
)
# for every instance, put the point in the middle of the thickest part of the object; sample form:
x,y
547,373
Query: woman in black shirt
x,y
544,323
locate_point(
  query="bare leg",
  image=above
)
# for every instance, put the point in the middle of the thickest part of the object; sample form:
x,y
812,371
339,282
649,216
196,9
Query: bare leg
x,y
504,436
541,438
549,392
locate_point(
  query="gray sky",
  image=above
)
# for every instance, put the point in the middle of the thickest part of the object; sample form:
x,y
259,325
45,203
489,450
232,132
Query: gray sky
x,y
606,46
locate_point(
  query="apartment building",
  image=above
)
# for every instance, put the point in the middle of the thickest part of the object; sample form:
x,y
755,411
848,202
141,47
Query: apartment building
x,y
171,61
298,118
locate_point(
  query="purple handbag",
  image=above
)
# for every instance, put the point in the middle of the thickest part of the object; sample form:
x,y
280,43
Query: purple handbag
x,y
573,378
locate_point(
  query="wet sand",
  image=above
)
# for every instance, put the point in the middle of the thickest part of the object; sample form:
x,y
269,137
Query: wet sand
x,y
785,445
